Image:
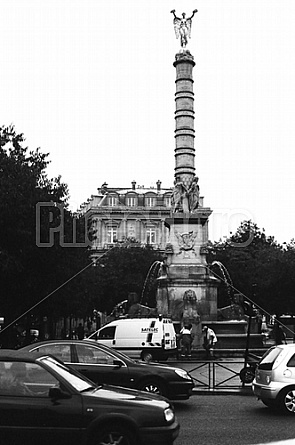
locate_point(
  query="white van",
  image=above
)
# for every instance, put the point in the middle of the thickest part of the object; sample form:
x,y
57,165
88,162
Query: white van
x,y
145,338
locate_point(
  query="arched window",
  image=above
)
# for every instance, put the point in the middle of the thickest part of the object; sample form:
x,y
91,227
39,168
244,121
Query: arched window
x,y
113,200
167,200
131,200
150,200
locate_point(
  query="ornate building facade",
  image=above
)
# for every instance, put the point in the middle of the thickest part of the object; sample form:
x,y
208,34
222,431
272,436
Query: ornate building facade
x,y
134,213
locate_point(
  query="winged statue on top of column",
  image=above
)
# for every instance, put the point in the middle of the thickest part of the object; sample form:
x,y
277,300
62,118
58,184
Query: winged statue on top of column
x,y
182,27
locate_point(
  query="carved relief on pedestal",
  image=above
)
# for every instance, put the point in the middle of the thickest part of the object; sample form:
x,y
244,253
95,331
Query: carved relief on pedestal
x,y
186,243
190,313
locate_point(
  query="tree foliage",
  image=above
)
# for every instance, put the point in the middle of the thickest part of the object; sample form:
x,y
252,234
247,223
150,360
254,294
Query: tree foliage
x,y
259,267
30,205
120,271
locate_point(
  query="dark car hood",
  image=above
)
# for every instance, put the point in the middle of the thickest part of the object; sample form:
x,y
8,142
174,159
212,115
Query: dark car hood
x,y
122,394
157,365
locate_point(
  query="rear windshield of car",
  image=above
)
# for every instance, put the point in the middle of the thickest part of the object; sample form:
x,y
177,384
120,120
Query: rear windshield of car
x,y
268,360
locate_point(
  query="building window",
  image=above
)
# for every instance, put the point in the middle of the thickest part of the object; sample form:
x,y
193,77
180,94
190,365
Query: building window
x,y
150,201
131,230
150,236
112,235
131,201
167,201
113,201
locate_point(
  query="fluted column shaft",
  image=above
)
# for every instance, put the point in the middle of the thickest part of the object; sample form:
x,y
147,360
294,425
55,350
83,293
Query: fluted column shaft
x,y
184,119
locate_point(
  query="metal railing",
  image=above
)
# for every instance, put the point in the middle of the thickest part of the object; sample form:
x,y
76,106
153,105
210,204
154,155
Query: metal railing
x,y
215,374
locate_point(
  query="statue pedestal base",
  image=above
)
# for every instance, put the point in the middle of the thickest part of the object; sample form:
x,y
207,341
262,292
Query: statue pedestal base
x,y
188,294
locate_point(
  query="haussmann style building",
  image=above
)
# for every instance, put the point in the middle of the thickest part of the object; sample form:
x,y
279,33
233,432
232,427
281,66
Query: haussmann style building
x,y
136,213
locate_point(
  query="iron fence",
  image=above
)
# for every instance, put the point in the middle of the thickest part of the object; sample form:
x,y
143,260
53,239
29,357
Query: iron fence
x,y
215,374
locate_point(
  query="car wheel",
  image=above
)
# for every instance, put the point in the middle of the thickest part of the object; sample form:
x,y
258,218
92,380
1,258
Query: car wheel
x,y
146,356
153,386
114,435
287,400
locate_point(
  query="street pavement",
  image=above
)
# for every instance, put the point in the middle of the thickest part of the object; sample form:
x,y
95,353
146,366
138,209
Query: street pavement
x,y
231,420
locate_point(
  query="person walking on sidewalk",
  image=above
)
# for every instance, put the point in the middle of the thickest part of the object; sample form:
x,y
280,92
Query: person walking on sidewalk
x,y
209,341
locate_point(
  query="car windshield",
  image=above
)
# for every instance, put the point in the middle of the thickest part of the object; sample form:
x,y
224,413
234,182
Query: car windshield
x,y
78,382
270,359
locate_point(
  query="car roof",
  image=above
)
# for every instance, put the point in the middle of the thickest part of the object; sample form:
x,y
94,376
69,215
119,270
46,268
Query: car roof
x,y
65,340
19,355
287,346
91,342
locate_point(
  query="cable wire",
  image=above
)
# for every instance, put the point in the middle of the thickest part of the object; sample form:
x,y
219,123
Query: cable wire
x,y
93,263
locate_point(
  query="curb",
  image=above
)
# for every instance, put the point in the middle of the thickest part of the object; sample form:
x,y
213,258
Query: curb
x,y
245,391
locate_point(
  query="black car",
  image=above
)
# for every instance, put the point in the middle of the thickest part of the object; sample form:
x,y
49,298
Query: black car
x,y
102,364
44,401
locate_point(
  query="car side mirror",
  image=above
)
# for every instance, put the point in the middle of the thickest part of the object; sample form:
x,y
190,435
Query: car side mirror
x,y
117,363
57,393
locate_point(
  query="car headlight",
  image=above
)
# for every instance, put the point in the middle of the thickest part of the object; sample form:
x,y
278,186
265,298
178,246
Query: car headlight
x,y
169,415
183,374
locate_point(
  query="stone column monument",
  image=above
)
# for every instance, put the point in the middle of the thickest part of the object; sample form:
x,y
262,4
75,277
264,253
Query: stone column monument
x,y
187,292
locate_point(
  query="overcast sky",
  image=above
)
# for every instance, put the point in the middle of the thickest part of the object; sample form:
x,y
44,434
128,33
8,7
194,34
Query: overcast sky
x,y
92,83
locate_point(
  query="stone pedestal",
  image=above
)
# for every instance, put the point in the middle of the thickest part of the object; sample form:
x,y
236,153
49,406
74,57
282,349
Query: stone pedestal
x,y
187,292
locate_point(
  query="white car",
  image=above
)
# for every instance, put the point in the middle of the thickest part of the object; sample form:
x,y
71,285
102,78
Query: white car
x,y
274,382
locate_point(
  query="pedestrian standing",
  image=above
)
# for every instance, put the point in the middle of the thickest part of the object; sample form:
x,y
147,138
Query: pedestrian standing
x,y
209,341
186,341
80,331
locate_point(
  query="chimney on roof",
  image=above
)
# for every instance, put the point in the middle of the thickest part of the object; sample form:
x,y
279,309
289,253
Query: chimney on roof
x,y
133,185
103,189
159,185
